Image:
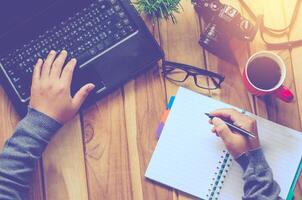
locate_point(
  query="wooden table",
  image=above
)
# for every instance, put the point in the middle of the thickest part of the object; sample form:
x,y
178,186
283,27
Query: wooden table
x,y
103,153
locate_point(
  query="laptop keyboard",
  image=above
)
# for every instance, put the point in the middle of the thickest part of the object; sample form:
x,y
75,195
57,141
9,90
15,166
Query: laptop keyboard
x,y
86,35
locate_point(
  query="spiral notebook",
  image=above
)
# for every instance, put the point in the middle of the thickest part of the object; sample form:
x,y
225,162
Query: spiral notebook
x,y
188,157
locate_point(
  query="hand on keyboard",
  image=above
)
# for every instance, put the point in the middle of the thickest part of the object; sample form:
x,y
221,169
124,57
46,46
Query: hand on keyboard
x,y
50,91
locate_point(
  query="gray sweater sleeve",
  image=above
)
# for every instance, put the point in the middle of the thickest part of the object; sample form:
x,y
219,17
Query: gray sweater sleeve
x,y
21,151
258,177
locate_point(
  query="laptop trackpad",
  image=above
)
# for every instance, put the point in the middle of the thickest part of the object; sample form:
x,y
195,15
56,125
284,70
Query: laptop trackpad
x,y
88,75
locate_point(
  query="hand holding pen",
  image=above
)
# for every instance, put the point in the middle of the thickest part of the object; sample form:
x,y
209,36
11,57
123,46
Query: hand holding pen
x,y
234,127
233,137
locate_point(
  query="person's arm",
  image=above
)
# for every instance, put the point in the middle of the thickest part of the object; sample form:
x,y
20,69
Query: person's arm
x,y
21,152
51,105
257,175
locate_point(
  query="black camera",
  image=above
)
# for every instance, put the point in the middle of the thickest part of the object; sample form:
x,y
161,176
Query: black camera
x,y
223,22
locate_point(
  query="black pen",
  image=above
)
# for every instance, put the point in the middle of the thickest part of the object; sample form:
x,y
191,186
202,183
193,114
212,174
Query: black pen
x,y
233,127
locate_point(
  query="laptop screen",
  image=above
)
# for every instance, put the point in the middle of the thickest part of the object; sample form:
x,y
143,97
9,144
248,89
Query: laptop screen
x,y
19,20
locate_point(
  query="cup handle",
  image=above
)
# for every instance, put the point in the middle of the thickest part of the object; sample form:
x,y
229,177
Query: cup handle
x,y
285,94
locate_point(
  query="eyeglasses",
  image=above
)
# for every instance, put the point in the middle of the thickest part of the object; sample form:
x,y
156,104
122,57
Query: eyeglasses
x,y
204,79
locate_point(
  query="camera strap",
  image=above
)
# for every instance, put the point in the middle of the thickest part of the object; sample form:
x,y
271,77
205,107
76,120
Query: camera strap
x,y
275,32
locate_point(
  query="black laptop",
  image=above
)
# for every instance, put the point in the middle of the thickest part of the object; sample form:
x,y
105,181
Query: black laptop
x,y
107,37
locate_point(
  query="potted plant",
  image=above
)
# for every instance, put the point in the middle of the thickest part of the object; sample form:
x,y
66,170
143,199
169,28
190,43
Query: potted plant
x,y
157,9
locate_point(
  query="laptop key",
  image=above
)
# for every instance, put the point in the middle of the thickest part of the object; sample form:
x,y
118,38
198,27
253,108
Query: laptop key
x,y
117,36
123,32
126,21
110,12
130,28
108,41
93,51
119,25
122,14
100,46
83,57
112,1
117,8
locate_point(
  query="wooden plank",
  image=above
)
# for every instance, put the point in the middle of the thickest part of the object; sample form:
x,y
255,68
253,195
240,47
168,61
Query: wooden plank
x,y
8,122
106,149
132,135
180,43
296,58
295,53
64,166
9,118
144,104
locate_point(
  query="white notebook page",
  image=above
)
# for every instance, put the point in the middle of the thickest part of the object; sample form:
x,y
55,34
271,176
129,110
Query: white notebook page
x,y
187,153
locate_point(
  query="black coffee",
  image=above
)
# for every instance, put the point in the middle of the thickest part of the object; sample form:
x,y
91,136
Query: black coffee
x,y
264,73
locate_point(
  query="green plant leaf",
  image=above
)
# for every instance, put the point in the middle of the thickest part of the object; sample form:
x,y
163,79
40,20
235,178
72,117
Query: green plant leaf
x,y
159,8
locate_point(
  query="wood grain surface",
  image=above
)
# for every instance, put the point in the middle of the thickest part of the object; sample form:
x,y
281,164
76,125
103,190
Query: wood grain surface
x,y
104,152
64,164
106,155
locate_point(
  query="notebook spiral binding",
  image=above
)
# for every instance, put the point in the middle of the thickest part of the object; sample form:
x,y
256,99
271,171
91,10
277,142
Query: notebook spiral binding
x,y
219,176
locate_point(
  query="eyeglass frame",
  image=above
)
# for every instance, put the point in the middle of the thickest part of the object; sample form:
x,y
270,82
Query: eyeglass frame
x,y
188,69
